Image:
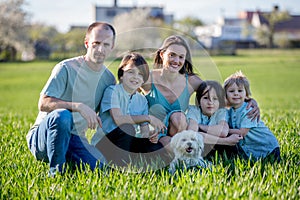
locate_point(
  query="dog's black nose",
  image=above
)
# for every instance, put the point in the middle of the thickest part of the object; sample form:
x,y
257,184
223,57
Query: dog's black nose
x,y
189,144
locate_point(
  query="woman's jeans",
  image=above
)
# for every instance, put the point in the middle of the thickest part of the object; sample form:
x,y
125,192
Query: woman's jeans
x,y
53,142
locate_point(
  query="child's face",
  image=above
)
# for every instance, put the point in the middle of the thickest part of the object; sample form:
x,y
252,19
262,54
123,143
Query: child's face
x,y
132,78
236,95
209,102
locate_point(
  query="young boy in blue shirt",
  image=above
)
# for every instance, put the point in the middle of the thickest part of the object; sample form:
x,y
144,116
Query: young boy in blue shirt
x,y
258,141
124,114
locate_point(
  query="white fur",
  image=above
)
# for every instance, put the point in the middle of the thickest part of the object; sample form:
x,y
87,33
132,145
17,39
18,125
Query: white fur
x,y
187,146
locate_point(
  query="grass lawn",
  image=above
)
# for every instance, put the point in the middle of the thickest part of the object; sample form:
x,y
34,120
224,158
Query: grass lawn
x,y
275,81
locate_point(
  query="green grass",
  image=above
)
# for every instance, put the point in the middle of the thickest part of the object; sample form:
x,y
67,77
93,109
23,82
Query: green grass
x,y
274,77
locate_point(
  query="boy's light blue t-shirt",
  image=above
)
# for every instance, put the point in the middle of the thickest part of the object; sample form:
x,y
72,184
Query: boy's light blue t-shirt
x,y
259,141
72,80
115,96
195,113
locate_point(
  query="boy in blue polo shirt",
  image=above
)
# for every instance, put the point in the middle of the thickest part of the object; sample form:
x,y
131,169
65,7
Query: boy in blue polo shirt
x,y
258,141
124,113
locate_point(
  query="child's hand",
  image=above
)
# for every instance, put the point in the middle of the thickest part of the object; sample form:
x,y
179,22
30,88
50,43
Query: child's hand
x,y
157,124
153,137
233,139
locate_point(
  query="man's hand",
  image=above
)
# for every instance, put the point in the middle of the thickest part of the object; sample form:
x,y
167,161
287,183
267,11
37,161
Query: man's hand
x,y
93,120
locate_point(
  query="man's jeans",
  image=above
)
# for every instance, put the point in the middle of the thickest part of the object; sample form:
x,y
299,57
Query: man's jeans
x,y
53,142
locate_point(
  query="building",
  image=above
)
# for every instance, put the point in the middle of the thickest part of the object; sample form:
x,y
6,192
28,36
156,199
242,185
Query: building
x,y
108,13
226,35
287,31
230,33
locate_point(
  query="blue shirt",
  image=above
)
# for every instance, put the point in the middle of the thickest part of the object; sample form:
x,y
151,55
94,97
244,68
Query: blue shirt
x,y
259,141
72,80
195,113
115,96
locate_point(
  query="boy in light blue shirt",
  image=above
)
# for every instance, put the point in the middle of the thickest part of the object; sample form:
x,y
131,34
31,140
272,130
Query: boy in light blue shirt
x,y
258,141
124,112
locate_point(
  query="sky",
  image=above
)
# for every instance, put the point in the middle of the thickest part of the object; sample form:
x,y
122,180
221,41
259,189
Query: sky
x,y
64,13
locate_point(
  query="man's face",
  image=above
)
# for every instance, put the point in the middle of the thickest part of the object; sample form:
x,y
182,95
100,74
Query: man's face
x,y
99,45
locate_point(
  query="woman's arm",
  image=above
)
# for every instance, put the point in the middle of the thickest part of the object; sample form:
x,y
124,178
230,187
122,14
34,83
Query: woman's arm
x,y
194,81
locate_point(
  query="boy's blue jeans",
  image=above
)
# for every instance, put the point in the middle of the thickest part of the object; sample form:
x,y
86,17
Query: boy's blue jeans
x,y
53,142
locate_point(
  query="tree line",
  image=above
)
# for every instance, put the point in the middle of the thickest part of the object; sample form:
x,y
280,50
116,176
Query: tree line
x,y
22,40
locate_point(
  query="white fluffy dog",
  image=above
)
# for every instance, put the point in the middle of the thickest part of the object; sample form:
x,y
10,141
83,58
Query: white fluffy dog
x,y
187,146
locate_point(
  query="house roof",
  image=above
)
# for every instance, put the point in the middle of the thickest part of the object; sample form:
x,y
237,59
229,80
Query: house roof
x,y
292,24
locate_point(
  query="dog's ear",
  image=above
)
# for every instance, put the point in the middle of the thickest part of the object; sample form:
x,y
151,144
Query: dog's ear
x,y
200,140
174,141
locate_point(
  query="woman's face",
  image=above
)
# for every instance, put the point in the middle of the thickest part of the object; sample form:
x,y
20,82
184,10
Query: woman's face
x,y
209,102
174,57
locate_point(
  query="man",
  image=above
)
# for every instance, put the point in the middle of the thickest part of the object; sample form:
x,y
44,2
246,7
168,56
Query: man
x,y
69,104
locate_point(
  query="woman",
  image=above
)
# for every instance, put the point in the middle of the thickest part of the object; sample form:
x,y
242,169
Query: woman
x,y
170,85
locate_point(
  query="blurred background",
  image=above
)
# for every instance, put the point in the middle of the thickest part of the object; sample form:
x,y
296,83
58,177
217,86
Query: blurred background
x,y
43,30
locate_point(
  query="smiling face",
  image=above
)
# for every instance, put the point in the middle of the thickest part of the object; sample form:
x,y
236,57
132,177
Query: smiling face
x,y
173,58
209,102
235,95
132,78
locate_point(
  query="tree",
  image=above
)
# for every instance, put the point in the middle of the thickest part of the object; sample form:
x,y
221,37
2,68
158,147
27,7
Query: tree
x,y
13,32
75,41
274,18
48,42
137,31
42,37
187,24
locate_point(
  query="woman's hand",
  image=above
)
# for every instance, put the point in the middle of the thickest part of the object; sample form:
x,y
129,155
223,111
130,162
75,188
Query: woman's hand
x,y
255,112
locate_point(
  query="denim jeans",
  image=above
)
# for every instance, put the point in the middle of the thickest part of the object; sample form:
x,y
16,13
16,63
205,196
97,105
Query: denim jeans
x,y
53,142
